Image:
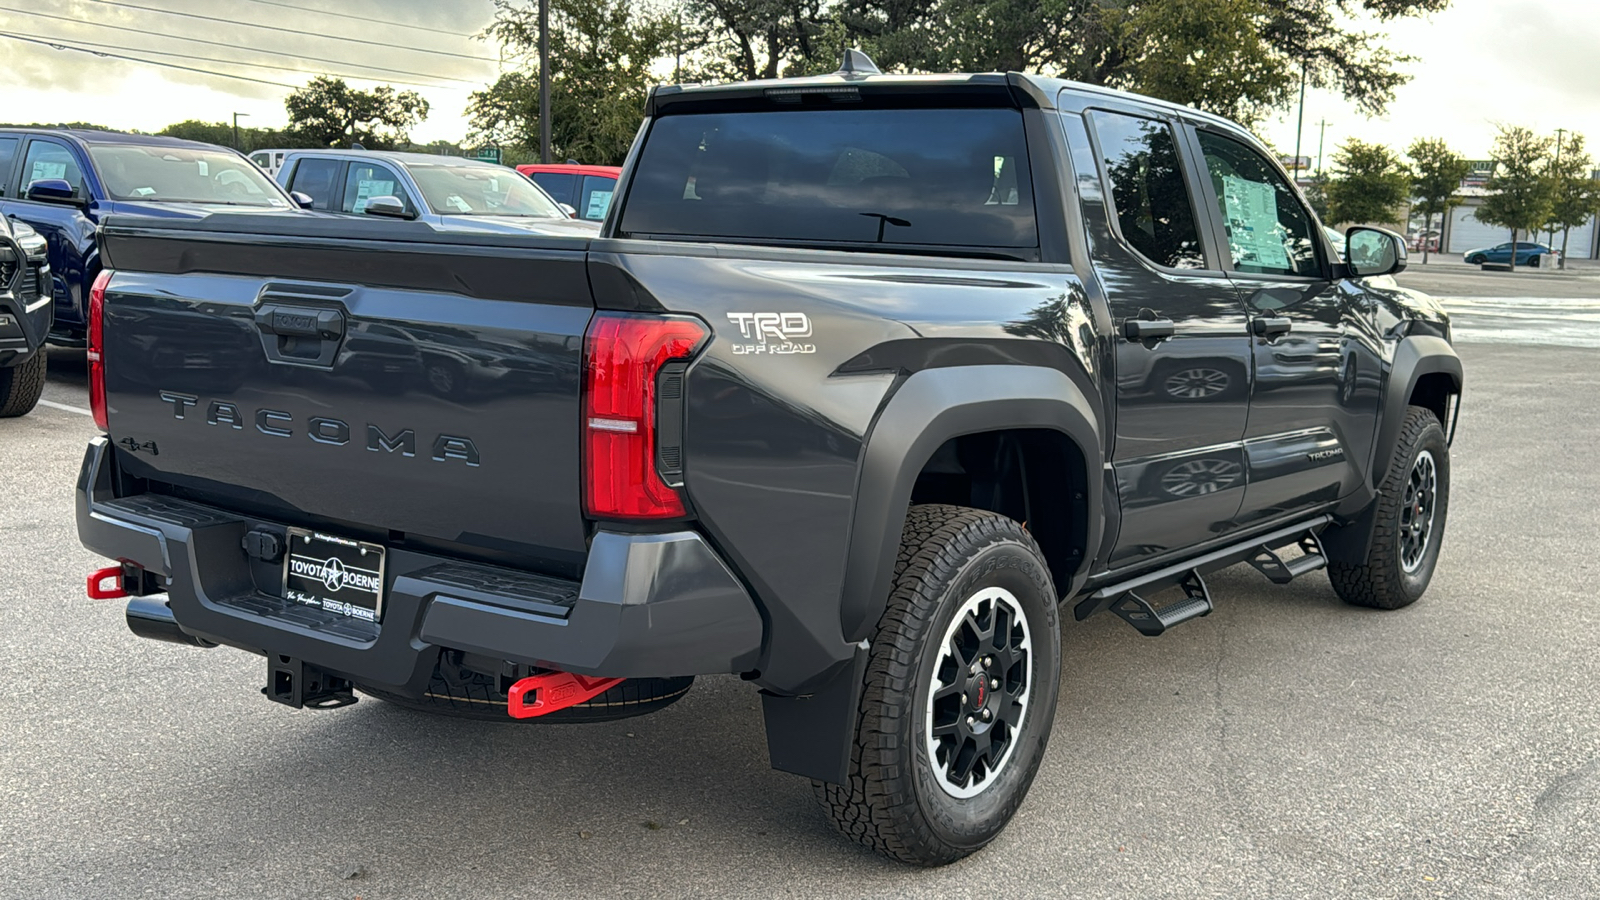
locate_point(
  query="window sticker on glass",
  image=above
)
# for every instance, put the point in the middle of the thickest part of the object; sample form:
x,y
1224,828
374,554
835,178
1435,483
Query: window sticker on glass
x,y
366,190
1253,231
460,204
43,170
599,202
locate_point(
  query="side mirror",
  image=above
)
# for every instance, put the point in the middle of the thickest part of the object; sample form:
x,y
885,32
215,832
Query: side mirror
x,y
52,190
302,199
1370,252
387,206
569,209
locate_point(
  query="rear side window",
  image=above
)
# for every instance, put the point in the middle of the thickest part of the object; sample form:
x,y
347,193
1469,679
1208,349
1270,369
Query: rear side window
x,y
595,198
1154,210
316,178
47,159
8,154
557,184
929,177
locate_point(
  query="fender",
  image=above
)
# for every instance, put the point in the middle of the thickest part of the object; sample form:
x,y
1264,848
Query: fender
x,y
1414,357
931,407
811,735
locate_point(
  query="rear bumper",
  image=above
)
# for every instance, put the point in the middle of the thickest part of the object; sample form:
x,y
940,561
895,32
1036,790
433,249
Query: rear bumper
x,y
648,604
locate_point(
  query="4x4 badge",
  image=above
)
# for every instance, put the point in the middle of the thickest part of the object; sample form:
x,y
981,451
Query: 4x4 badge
x,y
133,446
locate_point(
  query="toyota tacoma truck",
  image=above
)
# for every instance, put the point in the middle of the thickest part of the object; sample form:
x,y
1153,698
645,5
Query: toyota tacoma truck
x,y
867,384
25,315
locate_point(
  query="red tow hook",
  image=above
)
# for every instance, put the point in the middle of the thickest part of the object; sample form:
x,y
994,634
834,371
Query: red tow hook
x,y
97,588
554,691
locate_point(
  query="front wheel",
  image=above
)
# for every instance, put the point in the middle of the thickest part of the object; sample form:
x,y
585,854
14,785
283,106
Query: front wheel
x,y
960,691
1410,515
21,386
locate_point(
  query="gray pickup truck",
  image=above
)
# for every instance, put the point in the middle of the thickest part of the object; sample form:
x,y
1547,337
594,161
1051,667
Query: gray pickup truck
x,y
866,381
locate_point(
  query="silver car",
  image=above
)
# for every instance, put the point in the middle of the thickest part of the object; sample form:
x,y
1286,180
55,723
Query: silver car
x,y
449,193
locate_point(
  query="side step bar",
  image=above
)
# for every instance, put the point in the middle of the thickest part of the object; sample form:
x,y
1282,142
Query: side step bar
x,y
1127,598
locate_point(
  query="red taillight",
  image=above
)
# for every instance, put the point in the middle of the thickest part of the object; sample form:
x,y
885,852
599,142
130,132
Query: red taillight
x,y
97,364
623,354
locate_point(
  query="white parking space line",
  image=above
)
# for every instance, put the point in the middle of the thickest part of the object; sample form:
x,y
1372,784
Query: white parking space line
x,y
65,408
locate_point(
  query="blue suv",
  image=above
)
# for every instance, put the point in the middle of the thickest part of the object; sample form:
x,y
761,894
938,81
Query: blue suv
x,y
65,182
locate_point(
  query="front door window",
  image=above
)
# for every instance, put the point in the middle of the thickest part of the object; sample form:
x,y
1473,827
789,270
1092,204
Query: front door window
x,y
1269,230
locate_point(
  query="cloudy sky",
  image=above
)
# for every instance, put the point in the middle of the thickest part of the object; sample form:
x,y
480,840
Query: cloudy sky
x,y
1482,62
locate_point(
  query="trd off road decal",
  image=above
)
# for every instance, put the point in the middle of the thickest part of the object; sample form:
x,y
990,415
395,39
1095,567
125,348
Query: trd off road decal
x,y
773,333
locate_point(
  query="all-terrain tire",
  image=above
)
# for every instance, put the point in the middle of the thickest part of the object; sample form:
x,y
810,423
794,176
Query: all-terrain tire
x,y
894,800
20,386
1385,580
463,694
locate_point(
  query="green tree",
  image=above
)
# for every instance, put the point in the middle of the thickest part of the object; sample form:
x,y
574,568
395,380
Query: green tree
x,y
329,113
601,52
1436,176
1240,58
1519,190
748,39
1574,196
1317,195
221,134
1369,185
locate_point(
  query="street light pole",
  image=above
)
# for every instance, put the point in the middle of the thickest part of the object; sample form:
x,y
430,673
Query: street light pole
x,y
236,144
1550,241
1322,132
544,81
1300,125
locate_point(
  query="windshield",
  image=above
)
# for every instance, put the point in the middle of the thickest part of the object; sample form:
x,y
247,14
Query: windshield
x,y
182,175
482,191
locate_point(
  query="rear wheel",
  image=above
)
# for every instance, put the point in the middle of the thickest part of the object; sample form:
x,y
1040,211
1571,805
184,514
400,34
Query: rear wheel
x,y
1412,504
960,691
21,386
464,694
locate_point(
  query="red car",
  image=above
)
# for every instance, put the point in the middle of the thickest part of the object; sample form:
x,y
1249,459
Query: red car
x,y
587,189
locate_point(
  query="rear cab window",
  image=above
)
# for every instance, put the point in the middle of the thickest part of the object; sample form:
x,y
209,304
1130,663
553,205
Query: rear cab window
x,y
942,179
558,185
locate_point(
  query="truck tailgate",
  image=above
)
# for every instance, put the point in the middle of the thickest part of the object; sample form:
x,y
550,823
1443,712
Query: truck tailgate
x,y
379,378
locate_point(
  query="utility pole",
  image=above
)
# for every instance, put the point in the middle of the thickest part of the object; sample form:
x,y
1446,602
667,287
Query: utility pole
x,y
1300,124
1551,240
544,81
236,144
1322,132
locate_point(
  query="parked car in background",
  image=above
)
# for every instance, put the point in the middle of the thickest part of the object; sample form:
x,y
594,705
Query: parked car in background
x,y
24,316
587,189
65,182
1527,254
270,161
447,192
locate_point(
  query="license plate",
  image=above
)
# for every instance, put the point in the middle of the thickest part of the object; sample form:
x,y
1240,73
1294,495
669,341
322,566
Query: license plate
x,y
334,574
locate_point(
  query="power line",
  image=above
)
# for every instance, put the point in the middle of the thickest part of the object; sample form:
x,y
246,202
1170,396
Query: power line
x,y
235,62
235,47
322,12
55,45
294,31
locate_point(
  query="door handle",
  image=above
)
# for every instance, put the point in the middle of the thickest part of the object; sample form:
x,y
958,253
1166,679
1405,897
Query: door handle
x,y
1148,329
1270,327
300,335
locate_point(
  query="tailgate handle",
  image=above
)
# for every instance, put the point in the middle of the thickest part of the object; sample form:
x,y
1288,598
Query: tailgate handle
x,y
300,335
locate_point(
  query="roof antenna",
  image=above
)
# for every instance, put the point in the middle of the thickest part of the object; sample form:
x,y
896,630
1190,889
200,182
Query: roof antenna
x,y
857,65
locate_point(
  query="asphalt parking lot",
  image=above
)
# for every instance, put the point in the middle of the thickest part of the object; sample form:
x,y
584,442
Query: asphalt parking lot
x,y
1285,746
